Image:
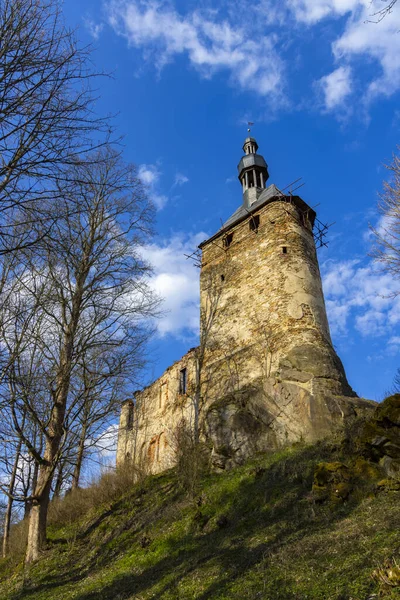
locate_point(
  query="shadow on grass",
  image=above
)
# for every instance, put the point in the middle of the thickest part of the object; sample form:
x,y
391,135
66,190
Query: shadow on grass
x,y
269,508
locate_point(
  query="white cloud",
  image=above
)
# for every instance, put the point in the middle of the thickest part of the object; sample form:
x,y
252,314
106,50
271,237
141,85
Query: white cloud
x,y
94,29
379,44
336,87
312,11
211,44
250,44
180,179
105,446
394,345
176,279
150,176
359,295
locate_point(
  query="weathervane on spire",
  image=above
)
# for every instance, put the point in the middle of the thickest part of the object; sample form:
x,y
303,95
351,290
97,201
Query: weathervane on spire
x,y
250,125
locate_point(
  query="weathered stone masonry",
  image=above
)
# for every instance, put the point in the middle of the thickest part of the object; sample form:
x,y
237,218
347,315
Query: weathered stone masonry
x,y
270,375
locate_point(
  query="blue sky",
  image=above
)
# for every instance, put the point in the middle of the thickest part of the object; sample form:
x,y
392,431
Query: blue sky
x,y
322,86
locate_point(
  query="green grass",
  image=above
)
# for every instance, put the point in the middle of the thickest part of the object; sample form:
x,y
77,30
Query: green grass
x,y
253,532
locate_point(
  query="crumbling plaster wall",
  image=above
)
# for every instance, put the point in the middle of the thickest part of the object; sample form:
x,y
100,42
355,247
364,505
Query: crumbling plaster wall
x,y
147,429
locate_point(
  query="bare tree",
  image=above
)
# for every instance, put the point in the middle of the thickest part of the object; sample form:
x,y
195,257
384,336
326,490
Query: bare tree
x,y
10,490
86,286
46,113
381,13
387,234
212,286
99,383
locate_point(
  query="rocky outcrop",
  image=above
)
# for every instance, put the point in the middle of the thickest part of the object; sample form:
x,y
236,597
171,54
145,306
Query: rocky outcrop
x,y
273,414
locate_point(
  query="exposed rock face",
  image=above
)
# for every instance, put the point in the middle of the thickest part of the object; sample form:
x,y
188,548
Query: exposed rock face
x,y
274,415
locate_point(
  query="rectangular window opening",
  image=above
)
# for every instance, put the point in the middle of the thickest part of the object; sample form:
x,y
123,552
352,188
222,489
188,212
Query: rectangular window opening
x,y
228,240
284,250
129,424
254,223
182,381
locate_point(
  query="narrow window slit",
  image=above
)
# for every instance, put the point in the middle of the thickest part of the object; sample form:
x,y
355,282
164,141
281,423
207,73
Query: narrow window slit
x,y
254,223
182,381
228,240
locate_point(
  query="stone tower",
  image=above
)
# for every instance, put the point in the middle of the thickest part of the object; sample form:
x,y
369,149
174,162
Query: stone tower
x,y
265,373
273,374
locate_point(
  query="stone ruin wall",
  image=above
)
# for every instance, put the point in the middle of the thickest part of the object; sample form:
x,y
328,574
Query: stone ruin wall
x,y
147,428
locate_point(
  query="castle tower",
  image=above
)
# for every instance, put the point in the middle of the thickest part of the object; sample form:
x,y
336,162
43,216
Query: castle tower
x,y
269,334
265,373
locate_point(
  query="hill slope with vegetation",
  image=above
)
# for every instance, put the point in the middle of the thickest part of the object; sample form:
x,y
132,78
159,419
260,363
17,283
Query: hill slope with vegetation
x,y
308,522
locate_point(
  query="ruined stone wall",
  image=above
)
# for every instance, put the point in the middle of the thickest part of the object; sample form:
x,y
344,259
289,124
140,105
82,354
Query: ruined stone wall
x,y
147,429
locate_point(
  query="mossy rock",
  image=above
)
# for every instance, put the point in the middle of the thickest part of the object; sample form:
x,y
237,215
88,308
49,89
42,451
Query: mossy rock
x,y
332,481
389,411
341,492
388,485
333,472
391,466
381,434
366,470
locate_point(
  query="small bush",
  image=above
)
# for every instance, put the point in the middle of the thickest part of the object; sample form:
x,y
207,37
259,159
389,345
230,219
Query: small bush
x,y
192,458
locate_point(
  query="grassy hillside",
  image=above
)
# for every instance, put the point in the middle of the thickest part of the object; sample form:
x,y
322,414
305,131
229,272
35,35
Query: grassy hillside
x,y
254,532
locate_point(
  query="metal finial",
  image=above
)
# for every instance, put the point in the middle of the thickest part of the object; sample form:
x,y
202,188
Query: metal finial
x,y
250,124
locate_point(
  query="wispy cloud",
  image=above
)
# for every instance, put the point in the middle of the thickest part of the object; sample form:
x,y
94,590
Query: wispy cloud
x,y
180,179
150,176
336,87
359,295
94,29
379,45
176,280
251,45
211,44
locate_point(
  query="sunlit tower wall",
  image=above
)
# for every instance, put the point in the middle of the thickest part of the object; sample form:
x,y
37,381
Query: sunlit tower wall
x,y
270,333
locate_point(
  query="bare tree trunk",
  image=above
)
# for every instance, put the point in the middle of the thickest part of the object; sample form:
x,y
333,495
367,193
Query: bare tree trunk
x,y
33,483
28,502
79,459
59,480
41,495
38,518
7,519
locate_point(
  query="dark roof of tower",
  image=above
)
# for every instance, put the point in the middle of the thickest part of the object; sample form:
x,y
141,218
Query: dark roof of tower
x,y
270,194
